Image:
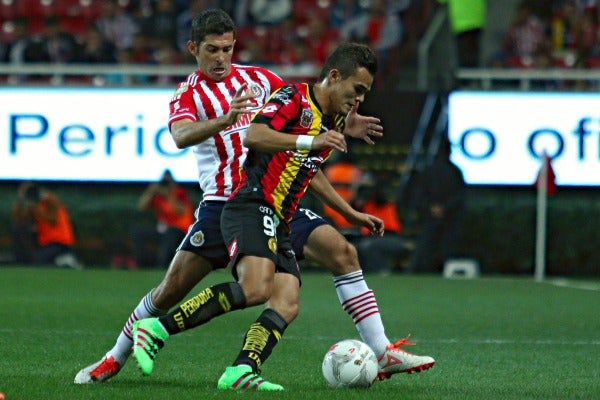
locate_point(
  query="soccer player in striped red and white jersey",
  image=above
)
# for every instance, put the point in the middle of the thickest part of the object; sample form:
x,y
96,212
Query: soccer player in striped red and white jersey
x,y
210,112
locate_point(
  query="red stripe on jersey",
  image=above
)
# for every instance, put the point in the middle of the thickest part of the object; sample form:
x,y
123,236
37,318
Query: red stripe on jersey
x,y
199,98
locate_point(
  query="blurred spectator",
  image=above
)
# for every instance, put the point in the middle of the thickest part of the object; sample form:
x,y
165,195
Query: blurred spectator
x,y
589,40
240,13
117,25
346,178
183,23
172,208
253,52
160,26
319,38
41,211
23,234
167,55
300,58
282,39
270,12
18,47
381,254
441,195
379,28
62,47
525,44
96,49
343,11
467,22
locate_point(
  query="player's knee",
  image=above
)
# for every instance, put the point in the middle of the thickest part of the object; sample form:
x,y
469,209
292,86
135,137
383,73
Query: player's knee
x,y
345,259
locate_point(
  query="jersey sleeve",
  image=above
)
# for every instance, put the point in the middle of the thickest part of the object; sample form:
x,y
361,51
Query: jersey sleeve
x,y
182,105
283,107
275,81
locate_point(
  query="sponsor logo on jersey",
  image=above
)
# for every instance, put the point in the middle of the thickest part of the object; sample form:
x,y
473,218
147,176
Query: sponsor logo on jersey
x,y
243,122
197,239
306,118
312,163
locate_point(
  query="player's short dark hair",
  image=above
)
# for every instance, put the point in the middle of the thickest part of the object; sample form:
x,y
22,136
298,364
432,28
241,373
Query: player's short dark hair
x,y
211,22
347,58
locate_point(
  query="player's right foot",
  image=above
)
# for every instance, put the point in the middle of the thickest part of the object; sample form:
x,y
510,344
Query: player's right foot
x,y
100,371
148,337
395,360
241,377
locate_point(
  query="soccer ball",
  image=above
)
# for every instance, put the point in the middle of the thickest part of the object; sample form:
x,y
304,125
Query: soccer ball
x,y
350,364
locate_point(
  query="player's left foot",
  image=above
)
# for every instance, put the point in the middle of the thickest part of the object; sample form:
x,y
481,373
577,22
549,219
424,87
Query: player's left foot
x,y
99,371
148,337
395,360
241,377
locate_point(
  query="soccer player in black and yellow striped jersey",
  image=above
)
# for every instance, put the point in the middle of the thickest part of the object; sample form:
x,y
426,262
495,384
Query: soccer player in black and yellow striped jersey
x,y
289,139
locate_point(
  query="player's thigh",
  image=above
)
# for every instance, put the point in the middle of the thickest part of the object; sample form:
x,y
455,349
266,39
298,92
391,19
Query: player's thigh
x,y
250,231
330,249
303,223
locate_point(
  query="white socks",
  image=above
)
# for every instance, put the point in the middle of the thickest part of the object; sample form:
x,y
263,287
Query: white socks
x,y
360,303
123,346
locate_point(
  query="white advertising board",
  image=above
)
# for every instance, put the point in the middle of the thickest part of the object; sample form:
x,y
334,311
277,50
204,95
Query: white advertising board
x,y
89,134
498,137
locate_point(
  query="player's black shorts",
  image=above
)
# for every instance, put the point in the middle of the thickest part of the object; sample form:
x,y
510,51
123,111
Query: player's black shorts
x,y
205,239
252,228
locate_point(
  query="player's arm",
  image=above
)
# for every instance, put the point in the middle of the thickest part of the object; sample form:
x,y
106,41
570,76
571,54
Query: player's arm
x,y
322,188
187,132
361,126
261,137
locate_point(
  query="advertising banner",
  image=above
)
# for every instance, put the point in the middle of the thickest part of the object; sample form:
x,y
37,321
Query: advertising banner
x,y
498,138
89,134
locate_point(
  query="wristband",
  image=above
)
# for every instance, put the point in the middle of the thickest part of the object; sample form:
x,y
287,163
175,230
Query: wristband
x,y
304,142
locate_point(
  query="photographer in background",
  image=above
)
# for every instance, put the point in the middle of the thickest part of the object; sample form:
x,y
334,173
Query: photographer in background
x,y
41,214
173,211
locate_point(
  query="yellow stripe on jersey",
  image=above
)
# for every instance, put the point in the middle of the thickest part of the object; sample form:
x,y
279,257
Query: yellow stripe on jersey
x,y
294,164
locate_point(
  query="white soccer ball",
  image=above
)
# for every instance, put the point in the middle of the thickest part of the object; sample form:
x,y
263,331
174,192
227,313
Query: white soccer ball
x,y
350,364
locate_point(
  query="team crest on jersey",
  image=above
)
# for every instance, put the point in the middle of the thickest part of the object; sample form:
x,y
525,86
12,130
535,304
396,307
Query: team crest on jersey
x,y
197,239
273,245
256,90
306,118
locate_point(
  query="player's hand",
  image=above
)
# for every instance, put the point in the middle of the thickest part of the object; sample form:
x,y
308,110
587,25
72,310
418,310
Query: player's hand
x,y
375,225
362,127
332,139
239,105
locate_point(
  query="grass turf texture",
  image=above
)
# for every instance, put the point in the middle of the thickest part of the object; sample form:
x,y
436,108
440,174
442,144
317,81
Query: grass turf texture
x,y
492,338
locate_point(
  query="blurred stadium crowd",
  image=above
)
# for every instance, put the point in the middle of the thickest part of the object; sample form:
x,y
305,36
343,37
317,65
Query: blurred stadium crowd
x,y
155,32
562,33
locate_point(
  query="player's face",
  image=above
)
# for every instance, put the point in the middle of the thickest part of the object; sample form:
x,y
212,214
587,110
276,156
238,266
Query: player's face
x,y
347,92
213,55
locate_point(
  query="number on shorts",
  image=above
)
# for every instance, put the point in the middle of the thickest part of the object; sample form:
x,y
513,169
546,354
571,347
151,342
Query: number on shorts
x,y
269,226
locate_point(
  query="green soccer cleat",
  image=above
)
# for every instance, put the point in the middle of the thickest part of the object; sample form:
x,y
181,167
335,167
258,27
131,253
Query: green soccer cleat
x,y
241,377
148,337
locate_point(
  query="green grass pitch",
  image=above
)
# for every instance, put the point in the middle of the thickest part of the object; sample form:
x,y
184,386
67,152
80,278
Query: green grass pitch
x,y
492,338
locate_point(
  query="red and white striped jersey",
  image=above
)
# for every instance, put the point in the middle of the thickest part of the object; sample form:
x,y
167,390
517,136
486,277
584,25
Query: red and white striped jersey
x,y
200,98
